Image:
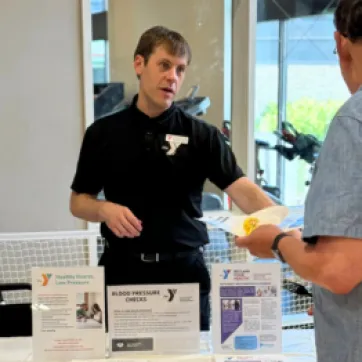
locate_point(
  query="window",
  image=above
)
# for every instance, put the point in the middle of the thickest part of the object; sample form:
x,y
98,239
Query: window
x,y
298,81
266,100
99,42
100,61
314,90
97,6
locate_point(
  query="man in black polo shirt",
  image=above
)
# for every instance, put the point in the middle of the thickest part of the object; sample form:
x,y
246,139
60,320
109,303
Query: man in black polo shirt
x,y
152,161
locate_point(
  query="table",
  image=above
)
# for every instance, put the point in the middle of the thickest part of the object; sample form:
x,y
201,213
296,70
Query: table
x,y
298,346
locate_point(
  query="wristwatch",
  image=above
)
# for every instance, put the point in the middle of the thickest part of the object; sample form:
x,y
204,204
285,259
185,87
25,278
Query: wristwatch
x,y
277,254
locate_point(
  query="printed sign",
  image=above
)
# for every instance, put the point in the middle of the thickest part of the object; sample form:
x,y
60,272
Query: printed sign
x,y
154,319
246,313
68,313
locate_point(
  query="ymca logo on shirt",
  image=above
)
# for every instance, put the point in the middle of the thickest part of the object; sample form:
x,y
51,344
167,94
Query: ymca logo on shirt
x,y
175,142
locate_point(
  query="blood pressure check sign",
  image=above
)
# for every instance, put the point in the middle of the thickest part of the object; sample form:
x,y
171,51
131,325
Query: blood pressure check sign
x,y
175,142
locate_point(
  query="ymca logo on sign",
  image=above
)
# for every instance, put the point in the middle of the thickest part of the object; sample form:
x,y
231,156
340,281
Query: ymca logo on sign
x,y
175,142
44,280
171,294
226,273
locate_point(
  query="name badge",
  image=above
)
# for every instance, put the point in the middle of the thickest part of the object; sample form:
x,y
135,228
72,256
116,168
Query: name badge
x,y
181,140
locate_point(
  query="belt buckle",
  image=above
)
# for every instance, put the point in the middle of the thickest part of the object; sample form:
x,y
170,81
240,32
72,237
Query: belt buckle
x,y
150,260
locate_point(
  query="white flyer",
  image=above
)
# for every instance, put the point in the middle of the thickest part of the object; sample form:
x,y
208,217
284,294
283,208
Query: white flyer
x,y
246,313
287,218
68,313
154,319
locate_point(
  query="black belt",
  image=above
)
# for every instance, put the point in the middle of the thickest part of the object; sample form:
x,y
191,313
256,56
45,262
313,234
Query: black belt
x,y
156,257
165,256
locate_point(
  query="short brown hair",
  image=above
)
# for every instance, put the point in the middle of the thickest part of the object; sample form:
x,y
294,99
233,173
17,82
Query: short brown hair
x,y
348,19
173,41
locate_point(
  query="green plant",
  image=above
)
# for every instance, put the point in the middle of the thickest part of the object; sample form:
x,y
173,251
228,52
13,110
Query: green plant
x,y
306,115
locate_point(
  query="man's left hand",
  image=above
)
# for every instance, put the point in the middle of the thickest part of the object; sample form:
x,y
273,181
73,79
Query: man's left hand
x,y
260,241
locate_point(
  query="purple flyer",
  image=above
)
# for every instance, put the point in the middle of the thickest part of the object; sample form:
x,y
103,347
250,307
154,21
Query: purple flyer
x,y
246,313
231,308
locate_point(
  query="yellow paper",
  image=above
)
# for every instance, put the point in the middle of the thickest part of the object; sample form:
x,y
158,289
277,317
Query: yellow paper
x,y
250,224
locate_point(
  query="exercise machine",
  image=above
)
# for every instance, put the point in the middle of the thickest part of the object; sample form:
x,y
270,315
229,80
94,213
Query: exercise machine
x,y
194,105
304,146
272,191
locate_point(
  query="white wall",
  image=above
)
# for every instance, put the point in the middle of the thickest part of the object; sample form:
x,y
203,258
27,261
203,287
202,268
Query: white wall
x,y
41,112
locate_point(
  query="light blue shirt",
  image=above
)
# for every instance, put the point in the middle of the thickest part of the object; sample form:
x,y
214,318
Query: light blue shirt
x,y
334,208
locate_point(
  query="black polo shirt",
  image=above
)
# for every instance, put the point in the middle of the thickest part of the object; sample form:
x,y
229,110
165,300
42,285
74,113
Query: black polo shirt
x,y
156,167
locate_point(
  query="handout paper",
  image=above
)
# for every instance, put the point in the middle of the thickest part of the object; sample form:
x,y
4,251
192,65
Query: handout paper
x,y
287,218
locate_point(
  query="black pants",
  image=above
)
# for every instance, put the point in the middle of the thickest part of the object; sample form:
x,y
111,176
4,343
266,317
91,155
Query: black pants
x,y
123,269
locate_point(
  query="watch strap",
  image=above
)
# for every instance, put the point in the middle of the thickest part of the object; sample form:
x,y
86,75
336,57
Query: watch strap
x,y
275,245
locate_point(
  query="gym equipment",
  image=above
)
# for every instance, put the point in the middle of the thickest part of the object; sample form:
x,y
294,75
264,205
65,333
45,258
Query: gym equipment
x,y
195,106
304,146
296,288
272,191
108,99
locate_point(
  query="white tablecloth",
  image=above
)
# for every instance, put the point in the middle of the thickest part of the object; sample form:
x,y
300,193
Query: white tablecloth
x,y
298,346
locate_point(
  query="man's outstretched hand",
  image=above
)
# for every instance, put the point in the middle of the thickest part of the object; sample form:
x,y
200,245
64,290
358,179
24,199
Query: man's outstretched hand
x,y
260,241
